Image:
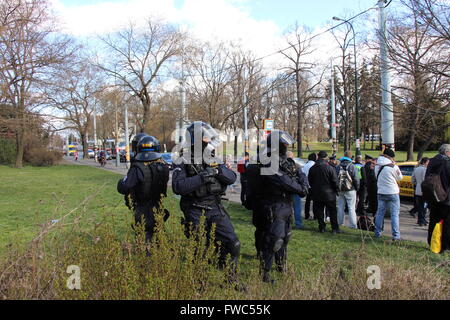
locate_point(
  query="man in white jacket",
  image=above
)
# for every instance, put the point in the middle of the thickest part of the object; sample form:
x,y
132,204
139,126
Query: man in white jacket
x,y
388,173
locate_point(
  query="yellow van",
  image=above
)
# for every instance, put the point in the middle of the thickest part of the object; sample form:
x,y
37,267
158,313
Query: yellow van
x,y
406,185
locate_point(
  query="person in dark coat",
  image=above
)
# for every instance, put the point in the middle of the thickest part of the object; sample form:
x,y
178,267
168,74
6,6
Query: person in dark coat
x,y
371,185
440,164
324,188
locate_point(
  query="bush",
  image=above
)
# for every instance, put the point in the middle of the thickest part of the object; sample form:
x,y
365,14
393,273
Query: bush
x,y
7,151
41,158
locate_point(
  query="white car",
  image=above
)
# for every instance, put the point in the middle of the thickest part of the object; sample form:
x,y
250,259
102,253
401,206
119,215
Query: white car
x,y
91,153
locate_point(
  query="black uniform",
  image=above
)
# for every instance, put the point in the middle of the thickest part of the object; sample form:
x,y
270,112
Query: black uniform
x,y
201,187
278,211
144,186
372,189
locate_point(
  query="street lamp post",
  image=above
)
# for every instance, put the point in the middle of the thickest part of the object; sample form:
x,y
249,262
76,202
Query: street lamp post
x,y
357,133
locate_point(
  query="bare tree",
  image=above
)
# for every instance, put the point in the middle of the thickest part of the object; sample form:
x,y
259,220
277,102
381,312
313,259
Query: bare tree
x,y
28,48
137,57
344,88
421,62
299,41
75,92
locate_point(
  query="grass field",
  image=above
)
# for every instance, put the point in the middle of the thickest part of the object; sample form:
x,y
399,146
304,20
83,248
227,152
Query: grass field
x,y
95,233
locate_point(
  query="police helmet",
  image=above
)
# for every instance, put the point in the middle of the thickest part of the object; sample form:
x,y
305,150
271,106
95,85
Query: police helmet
x,y
278,141
199,131
148,149
135,141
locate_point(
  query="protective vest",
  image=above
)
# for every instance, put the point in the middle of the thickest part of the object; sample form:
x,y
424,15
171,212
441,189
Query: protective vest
x,y
271,191
254,191
210,189
358,167
154,186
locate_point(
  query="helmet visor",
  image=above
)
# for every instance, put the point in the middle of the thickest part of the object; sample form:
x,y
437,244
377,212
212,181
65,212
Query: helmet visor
x,y
286,138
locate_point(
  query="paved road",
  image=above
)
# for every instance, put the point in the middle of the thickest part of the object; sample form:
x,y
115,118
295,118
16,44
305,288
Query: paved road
x,y
408,228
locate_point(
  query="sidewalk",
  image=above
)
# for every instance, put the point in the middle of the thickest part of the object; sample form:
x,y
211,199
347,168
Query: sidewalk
x,y
409,230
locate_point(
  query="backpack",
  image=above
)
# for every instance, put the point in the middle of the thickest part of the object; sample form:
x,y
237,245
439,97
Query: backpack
x,y
365,223
345,182
432,188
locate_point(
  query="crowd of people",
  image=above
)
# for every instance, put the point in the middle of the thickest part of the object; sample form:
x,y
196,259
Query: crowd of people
x,y
273,193
366,191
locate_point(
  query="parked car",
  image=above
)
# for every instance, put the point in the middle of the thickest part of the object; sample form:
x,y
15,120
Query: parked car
x,y
91,153
406,185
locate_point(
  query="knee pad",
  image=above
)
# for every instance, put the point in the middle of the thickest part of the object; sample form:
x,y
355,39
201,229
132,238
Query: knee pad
x,y
288,237
278,244
234,248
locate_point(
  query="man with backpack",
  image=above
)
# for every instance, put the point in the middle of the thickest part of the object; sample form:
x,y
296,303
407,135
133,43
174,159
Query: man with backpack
x,y
388,173
348,184
436,191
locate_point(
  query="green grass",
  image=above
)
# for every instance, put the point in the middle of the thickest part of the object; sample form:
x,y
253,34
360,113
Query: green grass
x,y
35,196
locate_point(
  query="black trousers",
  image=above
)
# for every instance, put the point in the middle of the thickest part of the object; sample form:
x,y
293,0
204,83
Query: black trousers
x,y
144,214
438,212
361,198
226,240
319,212
308,204
372,201
421,210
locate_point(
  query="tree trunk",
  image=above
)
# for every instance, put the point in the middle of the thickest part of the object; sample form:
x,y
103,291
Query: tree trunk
x,y
235,147
299,134
410,148
84,144
19,148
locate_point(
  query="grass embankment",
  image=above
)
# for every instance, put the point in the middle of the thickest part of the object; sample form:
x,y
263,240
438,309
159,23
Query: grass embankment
x,y
95,234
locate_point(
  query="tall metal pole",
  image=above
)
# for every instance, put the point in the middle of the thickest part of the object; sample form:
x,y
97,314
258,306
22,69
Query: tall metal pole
x,y
387,112
127,142
117,139
333,112
183,117
244,101
95,132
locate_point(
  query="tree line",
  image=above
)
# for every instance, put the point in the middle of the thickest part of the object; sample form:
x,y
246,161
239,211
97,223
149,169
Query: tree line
x,y
47,74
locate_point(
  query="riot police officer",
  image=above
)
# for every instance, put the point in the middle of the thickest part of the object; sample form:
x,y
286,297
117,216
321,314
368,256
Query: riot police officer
x,y
274,212
201,182
134,143
145,184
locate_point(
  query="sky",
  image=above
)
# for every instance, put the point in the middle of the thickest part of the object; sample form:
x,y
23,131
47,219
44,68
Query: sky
x,y
258,24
